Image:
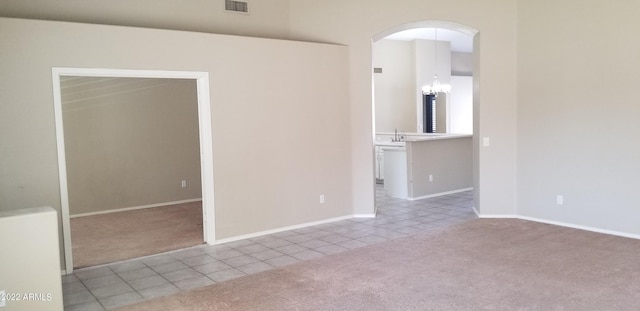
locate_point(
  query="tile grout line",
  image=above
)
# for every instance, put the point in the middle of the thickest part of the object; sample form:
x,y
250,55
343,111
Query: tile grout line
x,y
90,292
118,275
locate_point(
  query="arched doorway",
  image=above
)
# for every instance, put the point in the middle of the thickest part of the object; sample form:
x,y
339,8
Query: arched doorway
x,y
414,115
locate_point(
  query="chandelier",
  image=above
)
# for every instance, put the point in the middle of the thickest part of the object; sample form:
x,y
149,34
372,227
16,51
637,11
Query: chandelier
x,y
436,87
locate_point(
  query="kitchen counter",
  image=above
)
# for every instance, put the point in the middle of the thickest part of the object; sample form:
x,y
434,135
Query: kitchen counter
x,y
385,139
387,143
412,138
428,166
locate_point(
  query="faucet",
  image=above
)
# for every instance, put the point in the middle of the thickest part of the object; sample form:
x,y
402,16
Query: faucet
x,y
397,138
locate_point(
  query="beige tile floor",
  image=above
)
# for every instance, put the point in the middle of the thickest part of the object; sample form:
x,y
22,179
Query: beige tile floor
x,y
114,285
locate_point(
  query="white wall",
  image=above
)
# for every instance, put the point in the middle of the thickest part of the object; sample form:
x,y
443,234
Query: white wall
x,y
279,113
394,87
578,113
409,65
460,105
398,91
559,150
267,18
356,22
461,64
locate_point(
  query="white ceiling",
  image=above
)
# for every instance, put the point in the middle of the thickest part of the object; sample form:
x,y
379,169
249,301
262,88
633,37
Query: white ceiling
x,y
460,42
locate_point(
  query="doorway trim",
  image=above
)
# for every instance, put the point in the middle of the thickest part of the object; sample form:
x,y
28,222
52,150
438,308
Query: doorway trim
x,y
205,131
427,24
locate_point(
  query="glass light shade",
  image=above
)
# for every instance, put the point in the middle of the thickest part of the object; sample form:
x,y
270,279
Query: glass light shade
x,y
436,88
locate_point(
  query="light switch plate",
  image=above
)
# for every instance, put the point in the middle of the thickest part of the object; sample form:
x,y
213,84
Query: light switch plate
x,y
3,301
486,141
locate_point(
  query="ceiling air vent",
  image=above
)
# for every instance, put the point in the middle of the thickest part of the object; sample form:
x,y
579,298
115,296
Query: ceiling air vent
x,y
236,6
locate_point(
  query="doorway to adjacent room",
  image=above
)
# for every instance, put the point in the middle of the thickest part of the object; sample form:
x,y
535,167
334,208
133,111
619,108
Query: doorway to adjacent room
x,y
140,163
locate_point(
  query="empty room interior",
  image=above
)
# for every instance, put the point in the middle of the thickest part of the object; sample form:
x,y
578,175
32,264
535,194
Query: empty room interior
x,y
319,155
128,143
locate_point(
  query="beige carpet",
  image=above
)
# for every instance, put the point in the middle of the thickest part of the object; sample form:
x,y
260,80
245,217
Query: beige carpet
x,y
106,238
480,265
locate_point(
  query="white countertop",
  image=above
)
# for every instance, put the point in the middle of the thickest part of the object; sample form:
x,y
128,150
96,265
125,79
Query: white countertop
x,y
388,143
416,137
394,149
436,137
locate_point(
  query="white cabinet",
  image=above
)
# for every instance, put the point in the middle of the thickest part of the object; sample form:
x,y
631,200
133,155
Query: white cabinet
x,y
380,147
395,172
379,164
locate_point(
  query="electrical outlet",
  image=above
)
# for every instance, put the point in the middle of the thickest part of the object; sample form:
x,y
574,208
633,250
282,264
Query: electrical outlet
x,y
322,198
430,178
3,299
559,200
184,184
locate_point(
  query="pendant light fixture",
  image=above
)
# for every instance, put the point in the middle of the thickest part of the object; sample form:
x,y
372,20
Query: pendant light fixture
x,y
436,87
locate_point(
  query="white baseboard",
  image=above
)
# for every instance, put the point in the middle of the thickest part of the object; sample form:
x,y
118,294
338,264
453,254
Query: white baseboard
x,y
364,216
497,216
439,194
266,232
587,228
135,208
559,223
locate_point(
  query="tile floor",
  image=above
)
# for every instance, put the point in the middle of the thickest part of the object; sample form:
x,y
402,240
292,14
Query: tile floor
x,y
111,286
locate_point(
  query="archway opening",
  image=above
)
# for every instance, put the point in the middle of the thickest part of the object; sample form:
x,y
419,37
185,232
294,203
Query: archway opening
x,y
403,61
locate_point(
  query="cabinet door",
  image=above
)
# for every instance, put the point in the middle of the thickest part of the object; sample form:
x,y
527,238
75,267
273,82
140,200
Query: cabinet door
x,y
381,164
378,161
